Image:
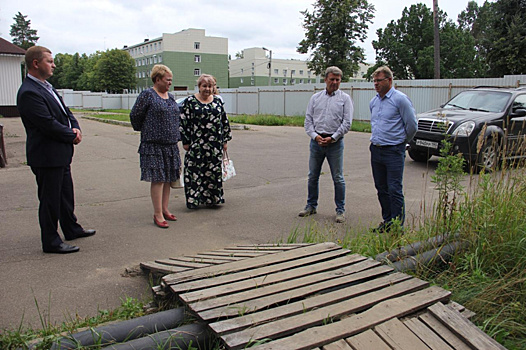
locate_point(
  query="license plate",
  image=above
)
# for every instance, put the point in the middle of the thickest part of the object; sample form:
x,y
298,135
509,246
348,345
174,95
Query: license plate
x,y
429,144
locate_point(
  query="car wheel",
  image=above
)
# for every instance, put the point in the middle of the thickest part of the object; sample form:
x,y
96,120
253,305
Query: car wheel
x,y
488,158
419,156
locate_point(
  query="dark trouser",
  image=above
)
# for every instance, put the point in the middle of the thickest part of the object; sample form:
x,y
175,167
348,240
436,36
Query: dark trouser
x,y
387,163
57,203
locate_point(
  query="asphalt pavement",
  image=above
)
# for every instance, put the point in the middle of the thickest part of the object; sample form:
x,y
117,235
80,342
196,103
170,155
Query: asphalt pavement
x,y
262,203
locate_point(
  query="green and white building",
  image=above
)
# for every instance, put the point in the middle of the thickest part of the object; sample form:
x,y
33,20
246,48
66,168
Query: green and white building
x,y
256,67
188,53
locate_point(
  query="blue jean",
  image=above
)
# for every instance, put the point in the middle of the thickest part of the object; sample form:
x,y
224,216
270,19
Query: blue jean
x,y
387,163
334,155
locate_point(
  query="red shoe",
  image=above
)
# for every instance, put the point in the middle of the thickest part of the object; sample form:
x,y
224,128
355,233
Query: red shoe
x,y
170,217
161,224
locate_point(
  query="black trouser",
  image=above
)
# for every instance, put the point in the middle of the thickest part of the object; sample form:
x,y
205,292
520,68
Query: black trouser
x,y
57,203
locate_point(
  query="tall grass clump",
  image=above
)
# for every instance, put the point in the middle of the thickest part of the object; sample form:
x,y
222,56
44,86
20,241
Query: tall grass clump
x,y
489,216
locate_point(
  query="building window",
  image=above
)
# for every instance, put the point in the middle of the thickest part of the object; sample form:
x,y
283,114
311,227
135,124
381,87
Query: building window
x,y
276,80
301,71
197,58
154,46
160,59
197,45
285,81
241,70
293,81
241,80
293,71
154,59
197,72
284,72
276,71
301,81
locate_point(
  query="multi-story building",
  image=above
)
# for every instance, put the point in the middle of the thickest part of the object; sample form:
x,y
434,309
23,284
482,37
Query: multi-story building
x,y
256,68
188,53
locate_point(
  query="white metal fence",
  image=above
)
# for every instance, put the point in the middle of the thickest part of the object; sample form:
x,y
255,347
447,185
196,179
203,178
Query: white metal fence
x,y
293,100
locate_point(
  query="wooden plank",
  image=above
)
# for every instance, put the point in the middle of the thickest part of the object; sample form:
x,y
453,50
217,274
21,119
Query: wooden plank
x,y
367,340
260,271
338,345
443,332
277,297
427,335
301,306
268,247
198,260
187,264
381,312
398,336
155,267
275,274
214,257
391,306
233,253
282,281
249,250
466,330
249,263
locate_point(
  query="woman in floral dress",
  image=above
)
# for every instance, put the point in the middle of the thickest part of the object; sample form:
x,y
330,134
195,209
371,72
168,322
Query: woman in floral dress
x,y
156,115
205,132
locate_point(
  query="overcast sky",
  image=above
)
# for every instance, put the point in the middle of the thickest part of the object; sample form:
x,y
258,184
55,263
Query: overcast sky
x,y
85,26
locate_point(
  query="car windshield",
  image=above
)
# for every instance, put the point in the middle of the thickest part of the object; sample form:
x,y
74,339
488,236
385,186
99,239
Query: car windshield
x,y
480,100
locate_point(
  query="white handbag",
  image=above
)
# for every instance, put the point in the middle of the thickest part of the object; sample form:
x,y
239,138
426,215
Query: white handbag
x,y
227,167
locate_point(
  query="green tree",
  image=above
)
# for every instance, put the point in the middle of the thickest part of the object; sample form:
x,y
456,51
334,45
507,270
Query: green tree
x,y
115,71
406,45
333,31
21,32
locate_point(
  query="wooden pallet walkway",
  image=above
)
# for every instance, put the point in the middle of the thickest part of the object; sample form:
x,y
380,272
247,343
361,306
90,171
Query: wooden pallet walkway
x,y
315,296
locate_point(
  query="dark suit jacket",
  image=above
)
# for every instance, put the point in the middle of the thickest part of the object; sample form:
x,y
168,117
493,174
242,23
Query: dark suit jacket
x,y
49,137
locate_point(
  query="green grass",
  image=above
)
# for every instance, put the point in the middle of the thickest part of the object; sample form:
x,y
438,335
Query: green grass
x,y
23,337
489,277
261,119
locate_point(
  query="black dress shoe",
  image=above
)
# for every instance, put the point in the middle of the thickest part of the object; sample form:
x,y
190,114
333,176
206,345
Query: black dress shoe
x,y
84,233
63,248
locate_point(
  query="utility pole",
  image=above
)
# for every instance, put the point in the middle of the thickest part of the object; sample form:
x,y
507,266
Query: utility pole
x,y
269,65
437,40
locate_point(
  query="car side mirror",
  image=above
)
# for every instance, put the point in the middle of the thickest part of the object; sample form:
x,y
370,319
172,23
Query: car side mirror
x,y
519,112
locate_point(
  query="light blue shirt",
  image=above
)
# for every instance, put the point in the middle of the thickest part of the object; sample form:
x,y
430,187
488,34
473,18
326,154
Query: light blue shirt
x,y
49,88
393,119
329,114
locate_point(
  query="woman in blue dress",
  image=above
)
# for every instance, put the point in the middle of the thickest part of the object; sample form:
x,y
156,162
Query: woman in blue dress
x,y
156,115
205,131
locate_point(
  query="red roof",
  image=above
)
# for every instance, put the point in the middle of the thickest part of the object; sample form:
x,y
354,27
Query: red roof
x,y
8,48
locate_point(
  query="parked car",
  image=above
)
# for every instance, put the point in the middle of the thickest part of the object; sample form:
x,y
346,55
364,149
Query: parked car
x,y
180,102
484,124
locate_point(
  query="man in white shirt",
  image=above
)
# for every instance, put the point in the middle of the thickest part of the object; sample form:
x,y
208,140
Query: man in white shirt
x,y
327,120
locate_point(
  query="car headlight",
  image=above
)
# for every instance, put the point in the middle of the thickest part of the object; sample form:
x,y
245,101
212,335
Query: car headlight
x,y
464,129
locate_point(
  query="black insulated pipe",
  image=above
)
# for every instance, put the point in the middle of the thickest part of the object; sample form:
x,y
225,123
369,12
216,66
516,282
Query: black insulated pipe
x,y
122,331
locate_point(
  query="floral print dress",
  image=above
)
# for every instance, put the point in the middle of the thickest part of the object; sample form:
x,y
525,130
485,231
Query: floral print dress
x,y
205,128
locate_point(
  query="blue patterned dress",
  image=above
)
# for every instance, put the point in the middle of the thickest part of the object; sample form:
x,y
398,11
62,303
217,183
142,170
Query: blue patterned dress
x,y
158,120
205,128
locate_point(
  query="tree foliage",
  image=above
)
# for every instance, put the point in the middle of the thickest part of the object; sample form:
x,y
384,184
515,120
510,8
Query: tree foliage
x,y
21,32
406,45
115,71
499,31
333,31
112,71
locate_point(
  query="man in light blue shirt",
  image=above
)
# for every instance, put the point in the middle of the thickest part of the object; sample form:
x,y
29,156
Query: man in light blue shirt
x,y
327,120
393,125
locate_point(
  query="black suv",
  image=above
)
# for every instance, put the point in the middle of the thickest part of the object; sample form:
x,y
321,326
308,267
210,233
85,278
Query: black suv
x,y
483,124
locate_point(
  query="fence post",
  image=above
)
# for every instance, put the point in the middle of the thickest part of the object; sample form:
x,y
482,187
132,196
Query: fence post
x,y
3,157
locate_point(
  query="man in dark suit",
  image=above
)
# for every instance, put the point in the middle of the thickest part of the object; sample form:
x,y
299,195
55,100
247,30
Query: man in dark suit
x,y
51,130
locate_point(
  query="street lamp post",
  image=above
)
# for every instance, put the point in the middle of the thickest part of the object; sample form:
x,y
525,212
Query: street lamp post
x,y
269,65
